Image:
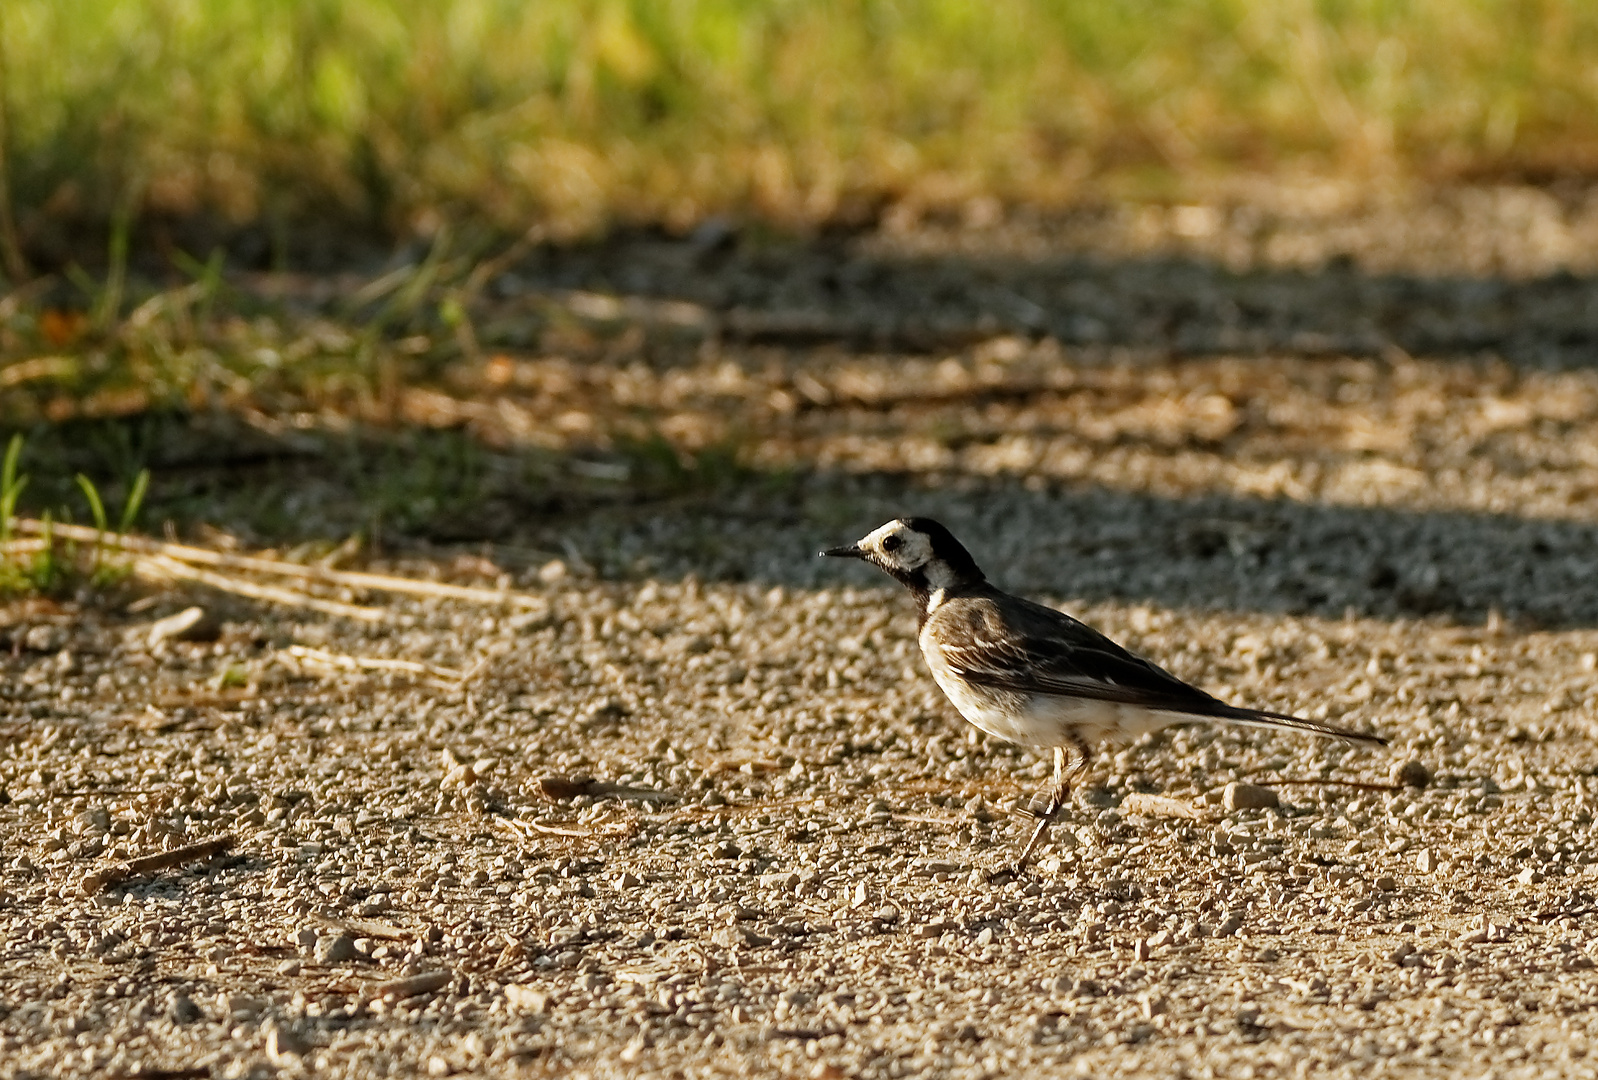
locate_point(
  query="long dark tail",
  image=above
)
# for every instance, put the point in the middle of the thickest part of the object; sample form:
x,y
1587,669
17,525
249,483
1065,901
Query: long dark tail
x,y
1232,714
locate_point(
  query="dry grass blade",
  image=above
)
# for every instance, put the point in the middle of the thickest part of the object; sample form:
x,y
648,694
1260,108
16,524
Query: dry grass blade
x,y
353,579
43,367
161,566
918,819
306,656
366,927
555,830
515,827
524,829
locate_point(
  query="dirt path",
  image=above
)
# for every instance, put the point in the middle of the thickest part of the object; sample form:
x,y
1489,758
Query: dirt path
x,y
789,880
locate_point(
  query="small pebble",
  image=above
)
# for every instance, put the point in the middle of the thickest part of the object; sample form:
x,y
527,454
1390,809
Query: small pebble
x,y
336,949
44,638
526,998
736,936
181,1009
284,1047
1241,796
1410,773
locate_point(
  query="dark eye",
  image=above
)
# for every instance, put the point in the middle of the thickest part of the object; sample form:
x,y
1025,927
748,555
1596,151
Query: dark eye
x,y
891,543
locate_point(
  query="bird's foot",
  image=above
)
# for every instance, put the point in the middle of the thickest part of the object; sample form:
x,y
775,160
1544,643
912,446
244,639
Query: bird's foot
x,y
1043,808
1043,820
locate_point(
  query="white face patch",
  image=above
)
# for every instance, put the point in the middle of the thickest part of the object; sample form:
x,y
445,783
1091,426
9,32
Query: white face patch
x,y
899,546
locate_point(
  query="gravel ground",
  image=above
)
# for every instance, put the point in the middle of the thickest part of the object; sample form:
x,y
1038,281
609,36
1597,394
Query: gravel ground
x,y
687,803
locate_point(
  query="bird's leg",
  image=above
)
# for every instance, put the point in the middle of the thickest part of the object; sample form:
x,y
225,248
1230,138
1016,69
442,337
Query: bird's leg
x,y
1059,793
1045,814
1048,799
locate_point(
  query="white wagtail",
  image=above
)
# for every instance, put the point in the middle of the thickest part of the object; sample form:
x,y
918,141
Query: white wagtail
x,y
1032,675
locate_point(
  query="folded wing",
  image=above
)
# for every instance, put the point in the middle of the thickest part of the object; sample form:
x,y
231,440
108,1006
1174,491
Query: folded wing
x,y
1031,649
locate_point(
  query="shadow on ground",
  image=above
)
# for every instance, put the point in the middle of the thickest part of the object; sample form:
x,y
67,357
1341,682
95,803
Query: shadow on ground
x,y
1445,280
1213,552
432,493
1508,272
744,337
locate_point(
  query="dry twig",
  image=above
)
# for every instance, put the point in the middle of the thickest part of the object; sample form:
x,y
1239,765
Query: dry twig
x,y
561,788
153,864
424,983
166,567
448,678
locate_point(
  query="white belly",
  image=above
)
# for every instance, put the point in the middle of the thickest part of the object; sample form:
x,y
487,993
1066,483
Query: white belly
x,y
1044,719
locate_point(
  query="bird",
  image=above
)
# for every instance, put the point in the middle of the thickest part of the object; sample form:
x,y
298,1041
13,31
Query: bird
x,y
1032,675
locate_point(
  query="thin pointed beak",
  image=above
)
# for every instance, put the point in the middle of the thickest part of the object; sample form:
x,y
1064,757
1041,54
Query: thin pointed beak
x,y
850,551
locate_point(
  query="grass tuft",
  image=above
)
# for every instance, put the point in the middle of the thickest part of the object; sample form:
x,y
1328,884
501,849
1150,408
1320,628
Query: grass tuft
x,y
46,565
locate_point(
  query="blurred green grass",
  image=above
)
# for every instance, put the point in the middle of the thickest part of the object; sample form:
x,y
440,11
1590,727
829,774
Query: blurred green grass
x,y
402,114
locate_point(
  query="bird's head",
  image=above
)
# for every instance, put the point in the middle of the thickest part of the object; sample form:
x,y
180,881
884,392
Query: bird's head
x,y
918,552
